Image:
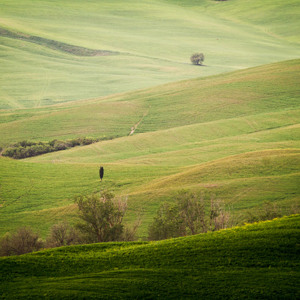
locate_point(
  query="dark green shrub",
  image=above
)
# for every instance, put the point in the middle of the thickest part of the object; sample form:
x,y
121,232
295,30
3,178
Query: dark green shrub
x,y
167,223
87,141
25,148
74,143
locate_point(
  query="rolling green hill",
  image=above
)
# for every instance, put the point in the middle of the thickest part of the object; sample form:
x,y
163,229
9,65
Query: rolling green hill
x,y
209,101
43,43
228,130
251,262
233,136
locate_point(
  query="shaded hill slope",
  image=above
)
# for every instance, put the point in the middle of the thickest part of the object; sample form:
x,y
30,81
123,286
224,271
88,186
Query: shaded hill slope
x,y
259,260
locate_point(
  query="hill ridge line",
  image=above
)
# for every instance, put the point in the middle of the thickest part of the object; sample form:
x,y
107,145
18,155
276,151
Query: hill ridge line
x,y
198,167
71,49
55,45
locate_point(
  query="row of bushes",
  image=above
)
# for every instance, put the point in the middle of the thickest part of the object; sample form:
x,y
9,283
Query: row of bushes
x,y
188,215
101,220
25,240
28,148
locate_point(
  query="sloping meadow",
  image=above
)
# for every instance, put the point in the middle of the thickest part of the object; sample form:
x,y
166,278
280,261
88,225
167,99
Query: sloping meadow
x,y
233,136
255,261
43,43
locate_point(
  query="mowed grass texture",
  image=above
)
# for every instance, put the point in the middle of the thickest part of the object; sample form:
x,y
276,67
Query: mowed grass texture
x,y
241,146
257,261
150,42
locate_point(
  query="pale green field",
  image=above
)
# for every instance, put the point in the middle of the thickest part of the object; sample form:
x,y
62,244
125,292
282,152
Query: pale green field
x,y
213,100
154,39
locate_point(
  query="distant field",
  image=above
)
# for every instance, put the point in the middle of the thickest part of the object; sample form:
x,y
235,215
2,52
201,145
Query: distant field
x,y
254,261
233,136
268,89
151,43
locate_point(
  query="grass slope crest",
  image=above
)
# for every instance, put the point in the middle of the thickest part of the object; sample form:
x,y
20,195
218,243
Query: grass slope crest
x,y
255,261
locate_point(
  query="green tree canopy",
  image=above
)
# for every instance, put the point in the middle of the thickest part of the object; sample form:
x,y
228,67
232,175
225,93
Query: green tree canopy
x,y
197,58
101,217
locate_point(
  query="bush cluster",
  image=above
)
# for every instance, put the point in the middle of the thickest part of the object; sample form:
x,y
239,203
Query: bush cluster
x,y
28,149
188,216
101,221
268,211
24,240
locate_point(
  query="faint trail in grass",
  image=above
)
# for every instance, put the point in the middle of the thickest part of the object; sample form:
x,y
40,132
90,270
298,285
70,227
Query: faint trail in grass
x,y
133,128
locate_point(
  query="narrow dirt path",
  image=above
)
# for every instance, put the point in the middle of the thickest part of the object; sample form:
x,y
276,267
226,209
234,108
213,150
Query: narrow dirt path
x,y
133,128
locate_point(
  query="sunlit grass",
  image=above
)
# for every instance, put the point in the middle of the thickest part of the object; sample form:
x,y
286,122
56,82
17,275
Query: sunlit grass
x,y
155,41
258,260
239,143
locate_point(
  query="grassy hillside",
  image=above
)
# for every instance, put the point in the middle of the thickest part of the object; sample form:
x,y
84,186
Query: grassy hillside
x,y
150,42
228,130
267,89
233,136
254,261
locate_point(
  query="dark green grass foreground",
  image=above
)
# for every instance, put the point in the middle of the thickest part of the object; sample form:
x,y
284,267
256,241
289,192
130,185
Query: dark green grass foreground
x,y
251,262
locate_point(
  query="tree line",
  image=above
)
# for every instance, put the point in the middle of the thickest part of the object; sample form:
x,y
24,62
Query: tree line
x,y
25,148
101,219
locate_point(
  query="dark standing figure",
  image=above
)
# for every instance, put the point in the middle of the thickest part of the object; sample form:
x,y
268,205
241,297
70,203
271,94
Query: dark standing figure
x,y
101,172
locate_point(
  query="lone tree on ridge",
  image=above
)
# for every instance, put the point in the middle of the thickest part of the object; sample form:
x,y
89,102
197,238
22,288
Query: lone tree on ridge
x,y
197,58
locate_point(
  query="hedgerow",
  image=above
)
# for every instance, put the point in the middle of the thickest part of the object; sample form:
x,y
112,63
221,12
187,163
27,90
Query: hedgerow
x,y
25,148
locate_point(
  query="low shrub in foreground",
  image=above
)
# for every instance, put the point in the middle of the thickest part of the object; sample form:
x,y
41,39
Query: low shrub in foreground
x,y
63,234
24,240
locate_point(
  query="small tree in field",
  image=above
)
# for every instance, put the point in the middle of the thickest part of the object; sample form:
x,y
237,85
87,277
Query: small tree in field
x,y
192,212
102,217
167,223
197,58
188,216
